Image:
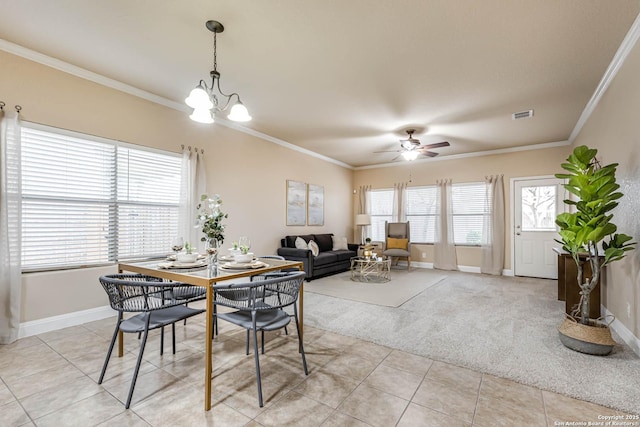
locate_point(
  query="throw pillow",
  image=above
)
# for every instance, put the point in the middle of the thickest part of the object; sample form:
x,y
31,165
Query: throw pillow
x,y
300,243
340,243
397,243
313,247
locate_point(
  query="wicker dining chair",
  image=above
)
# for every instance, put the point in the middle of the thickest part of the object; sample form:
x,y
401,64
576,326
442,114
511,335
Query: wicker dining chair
x,y
259,307
157,303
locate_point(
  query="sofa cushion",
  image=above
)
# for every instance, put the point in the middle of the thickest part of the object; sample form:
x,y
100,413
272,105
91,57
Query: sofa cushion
x,y
325,258
324,241
291,240
344,255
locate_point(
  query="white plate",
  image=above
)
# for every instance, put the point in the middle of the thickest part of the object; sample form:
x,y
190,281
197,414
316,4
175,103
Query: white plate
x,y
173,257
243,265
175,264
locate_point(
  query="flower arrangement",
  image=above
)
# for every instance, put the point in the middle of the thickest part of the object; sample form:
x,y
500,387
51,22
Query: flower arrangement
x,y
210,218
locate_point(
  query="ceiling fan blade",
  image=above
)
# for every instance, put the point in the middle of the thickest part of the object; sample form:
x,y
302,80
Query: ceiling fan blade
x,y
437,145
387,151
429,153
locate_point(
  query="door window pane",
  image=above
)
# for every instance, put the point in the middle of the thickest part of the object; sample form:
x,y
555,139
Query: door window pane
x,y
538,208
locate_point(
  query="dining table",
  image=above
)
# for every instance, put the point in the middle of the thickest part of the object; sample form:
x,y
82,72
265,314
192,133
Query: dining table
x,y
206,277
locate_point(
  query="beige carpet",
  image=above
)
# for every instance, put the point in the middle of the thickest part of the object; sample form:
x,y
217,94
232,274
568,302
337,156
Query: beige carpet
x,y
504,326
401,288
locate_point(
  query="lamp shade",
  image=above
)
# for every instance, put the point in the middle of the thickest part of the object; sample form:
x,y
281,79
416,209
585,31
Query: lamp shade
x,y
199,99
410,155
201,115
239,113
363,219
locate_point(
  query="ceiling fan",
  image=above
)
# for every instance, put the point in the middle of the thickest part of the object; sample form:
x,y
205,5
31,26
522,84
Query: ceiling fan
x,y
411,149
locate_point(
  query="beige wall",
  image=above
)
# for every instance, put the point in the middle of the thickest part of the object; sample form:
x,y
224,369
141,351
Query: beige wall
x,y
471,169
614,129
248,172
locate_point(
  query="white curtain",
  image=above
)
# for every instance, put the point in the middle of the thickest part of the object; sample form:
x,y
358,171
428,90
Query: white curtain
x,y
445,257
10,227
494,225
364,207
193,184
399,201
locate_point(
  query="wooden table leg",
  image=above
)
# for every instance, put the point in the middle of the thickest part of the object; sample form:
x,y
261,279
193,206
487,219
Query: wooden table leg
x,y
208,349
120,344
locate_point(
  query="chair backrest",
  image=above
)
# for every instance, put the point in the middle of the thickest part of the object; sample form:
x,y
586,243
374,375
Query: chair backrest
x,y
281,258
139,293
397,230
276,290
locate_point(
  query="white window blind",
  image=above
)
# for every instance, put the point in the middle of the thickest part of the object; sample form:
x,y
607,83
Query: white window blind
x,y
381,211
90,201
148,197
468,212
422,211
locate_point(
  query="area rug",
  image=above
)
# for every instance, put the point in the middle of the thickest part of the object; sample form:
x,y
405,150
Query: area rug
x,y
400,289
503,326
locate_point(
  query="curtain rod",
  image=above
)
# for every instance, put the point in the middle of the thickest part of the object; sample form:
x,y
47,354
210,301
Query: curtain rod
x,y
17,107
194,148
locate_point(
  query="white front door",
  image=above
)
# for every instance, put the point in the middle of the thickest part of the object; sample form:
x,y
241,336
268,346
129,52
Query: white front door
x,y
537,202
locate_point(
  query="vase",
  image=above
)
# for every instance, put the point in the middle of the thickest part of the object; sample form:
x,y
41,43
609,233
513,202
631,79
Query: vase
x,y
593,338
211,247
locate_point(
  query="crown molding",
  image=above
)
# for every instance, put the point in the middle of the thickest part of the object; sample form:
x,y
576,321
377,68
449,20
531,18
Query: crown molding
x,y
612,70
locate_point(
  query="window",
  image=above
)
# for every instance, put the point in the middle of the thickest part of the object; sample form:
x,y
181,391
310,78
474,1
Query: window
x,y
381,211
91,201
422,211
468,212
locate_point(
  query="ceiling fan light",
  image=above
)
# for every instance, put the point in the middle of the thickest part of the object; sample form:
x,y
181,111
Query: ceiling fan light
x,y
410,155
199,99
239,113
202,115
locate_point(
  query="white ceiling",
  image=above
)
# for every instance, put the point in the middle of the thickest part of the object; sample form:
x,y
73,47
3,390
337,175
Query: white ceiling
x,y
347,78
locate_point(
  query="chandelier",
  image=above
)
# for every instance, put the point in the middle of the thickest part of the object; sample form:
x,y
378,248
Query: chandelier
x,y
207,100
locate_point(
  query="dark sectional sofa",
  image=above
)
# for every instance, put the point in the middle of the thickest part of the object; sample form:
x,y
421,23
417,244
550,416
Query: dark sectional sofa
x,y
326,262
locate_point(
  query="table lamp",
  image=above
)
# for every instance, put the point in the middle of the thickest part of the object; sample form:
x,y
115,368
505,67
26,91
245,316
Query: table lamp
x,y
363,220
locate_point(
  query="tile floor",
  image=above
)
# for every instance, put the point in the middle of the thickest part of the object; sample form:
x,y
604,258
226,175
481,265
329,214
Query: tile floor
x,y
51,380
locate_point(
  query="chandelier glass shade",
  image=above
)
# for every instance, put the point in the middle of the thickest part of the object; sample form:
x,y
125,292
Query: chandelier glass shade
x,y
206,100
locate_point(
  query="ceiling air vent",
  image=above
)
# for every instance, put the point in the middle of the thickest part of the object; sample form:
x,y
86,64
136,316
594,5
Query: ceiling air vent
x,y
522,115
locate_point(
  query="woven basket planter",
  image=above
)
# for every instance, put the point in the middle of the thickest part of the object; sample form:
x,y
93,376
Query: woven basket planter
x,y
594,338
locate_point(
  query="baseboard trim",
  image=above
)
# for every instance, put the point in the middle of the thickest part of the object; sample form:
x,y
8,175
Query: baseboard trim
x,y
463,268
627,336
48,324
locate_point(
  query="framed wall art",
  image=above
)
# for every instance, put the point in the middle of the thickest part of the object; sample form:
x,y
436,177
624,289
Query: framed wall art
x,y
296,203
315,204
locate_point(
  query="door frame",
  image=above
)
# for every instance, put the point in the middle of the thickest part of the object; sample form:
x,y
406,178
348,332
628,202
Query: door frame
x,y
512,209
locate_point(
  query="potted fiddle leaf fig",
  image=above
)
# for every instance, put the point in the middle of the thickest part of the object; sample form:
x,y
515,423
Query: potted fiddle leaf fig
x,y
589,236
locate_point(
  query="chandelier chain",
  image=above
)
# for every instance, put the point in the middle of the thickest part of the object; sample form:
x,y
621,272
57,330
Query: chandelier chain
x,y
215,52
